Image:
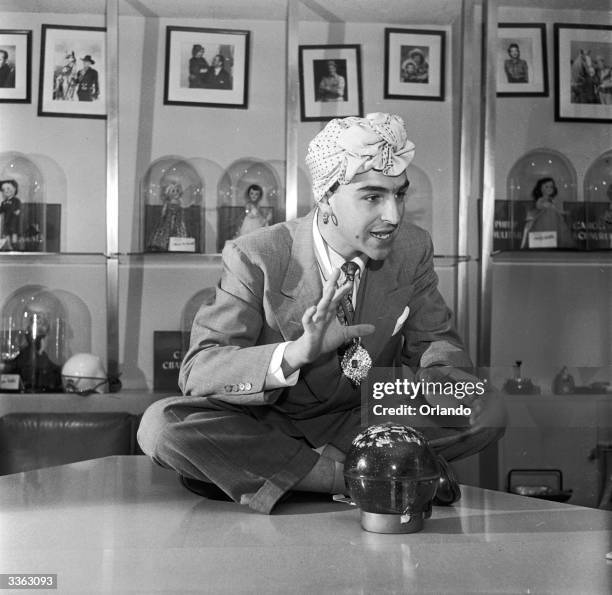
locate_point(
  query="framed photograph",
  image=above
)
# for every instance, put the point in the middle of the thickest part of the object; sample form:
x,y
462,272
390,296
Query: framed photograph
x,y
522,67
207,67
72,72
15,66
330,82
583,73
414,64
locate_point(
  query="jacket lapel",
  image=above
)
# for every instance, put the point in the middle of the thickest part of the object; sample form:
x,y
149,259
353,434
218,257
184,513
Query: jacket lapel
x,y
380,301
301,286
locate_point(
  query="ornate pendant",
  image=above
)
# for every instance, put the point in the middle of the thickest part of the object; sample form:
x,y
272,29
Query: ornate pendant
x,y
356,363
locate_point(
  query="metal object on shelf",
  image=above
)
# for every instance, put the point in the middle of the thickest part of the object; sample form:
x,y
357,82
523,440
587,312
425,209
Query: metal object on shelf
x,y
536,483
519,385
563,383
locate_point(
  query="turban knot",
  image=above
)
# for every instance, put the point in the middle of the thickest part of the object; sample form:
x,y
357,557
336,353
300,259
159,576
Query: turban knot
x,y
349,146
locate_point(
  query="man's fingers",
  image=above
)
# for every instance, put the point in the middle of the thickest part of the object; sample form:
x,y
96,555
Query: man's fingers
x,y
341,292
307,317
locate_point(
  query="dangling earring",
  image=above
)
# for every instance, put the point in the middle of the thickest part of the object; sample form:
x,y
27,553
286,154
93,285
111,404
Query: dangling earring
x,y
334,219
325,218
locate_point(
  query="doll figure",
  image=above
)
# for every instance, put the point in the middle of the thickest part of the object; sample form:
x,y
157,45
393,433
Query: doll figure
x,y
253,217
545,215
172,222
10,207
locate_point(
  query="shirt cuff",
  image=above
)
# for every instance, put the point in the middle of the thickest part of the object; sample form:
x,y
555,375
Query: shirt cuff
x,y
274,376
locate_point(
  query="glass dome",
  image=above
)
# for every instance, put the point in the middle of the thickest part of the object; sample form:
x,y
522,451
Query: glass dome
x,y
248,198
597,228
598,179
538,164
392,474
543,207
22,194
34,339
171,193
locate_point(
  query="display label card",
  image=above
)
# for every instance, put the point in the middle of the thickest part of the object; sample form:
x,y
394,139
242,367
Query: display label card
x,y
181,245
542,239
167,358
10,382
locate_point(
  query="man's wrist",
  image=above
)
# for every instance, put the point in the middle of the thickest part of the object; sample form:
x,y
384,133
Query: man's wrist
x,y
293,359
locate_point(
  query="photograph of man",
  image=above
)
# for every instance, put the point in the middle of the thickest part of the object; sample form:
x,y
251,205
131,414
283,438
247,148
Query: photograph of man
x,y
515,67
271,402
218,76
7,71
332,83
88,88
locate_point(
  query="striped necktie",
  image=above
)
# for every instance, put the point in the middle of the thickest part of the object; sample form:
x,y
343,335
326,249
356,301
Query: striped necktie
x,y
346,312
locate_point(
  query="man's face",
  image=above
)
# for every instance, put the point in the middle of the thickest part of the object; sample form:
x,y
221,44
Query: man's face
x,y
2,59
514,52
369,211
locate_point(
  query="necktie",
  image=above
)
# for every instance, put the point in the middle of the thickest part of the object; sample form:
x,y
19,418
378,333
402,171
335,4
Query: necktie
x,y
346,312
355,361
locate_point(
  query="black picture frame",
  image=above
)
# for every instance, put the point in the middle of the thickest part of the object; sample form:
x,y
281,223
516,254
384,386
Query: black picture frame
x,y
330,82
583,95
65,89
16,66
532,79
405,77
192,80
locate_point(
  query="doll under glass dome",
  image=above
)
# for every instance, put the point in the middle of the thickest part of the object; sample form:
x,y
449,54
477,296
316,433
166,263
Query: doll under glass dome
x,y
22,208
248,199
172,222
254,217
172,194
10,209
541,186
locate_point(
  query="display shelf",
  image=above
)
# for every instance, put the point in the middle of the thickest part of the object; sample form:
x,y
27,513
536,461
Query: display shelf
x,y
52,258
445,260
170,259
552,257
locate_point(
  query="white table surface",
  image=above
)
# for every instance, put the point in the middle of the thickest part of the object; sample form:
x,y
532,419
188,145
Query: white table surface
x,y
122,524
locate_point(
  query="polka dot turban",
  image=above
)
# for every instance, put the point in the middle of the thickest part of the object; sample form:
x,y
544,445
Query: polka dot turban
x,y
349,146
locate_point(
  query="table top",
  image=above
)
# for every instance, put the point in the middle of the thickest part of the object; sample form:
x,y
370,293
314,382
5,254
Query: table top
x,y
123,524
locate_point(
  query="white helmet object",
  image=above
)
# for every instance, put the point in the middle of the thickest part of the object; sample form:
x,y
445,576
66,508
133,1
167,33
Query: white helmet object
x,y
84,373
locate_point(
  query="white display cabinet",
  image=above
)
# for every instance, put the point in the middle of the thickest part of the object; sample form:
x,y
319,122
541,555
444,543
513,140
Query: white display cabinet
x,y
549,307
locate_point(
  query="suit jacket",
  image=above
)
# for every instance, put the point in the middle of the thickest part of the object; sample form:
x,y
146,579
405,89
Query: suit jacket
x,y
88,87
270,277
222,80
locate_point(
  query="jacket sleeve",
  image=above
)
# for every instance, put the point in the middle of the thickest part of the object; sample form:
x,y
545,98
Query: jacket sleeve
x,y
224,359
429,335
